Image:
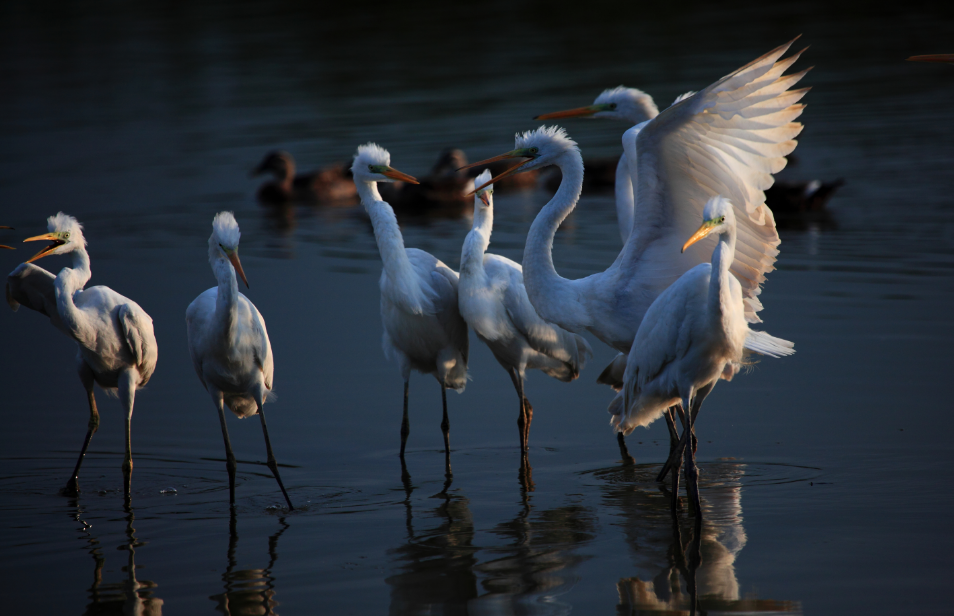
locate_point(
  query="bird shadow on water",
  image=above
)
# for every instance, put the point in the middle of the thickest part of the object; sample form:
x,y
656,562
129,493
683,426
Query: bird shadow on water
x,y
685,564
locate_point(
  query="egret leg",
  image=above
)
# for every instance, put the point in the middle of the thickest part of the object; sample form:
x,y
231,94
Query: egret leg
x,y
692,472
445,424
623,450
528,412
523,421
229,456
127,395
272,462
72,486
405,423
670,416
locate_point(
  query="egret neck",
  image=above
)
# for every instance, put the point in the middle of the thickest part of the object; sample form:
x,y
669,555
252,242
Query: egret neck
x,y
226,300
68,282
476,242
720,295
555,298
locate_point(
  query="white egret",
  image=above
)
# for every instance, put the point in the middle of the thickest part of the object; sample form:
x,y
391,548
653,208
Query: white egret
x,y
229,344
494,303
116,345
726,139
692,335
632,106
423,328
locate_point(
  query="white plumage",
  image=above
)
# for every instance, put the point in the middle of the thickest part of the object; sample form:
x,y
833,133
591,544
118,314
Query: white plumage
x,y
494,303
116,344
423,328
229,344
693,334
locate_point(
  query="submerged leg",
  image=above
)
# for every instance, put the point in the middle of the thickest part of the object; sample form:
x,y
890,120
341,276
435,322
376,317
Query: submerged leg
x,y
445,424
523,419
229,456
405,423
670,416
272,463
86,375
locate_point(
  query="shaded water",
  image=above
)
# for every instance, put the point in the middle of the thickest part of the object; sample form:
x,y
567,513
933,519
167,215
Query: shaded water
x,y
825,482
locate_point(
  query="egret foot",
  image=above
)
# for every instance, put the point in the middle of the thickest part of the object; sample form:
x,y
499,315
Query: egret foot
x,y
623,450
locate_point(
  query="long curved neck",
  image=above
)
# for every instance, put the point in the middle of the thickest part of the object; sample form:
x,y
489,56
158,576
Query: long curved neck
x,y
719,290
624,198
226,300
68,282
476,242
552,296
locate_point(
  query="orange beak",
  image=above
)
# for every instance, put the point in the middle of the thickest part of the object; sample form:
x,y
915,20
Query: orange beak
x,y
573,113
233,257
523,153
52,237
947,58
485,197
394,174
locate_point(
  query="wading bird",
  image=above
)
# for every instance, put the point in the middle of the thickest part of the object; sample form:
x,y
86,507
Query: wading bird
x,y
692,335
229,344
116,345
494,303
423,328
329,184
633,107
724,140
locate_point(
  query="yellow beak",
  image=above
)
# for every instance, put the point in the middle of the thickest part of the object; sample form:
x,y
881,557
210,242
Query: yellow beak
x,y
703,232
573,113
506,155
233,257
52,237
394,174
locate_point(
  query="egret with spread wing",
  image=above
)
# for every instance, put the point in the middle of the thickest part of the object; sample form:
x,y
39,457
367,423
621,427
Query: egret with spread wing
x,y
116,345
724,140
229,344
423,328
692,335
494,303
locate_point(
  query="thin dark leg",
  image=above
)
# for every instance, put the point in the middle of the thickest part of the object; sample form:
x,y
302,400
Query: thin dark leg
x,y
72,486
623,450
528,413
229,456
670,416
522,420
692,472
405,423
272,463
445,425
676,466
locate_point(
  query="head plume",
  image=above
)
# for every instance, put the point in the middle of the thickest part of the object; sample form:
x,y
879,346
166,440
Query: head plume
x,y
484,176
554,137
225,230
370,154
66,223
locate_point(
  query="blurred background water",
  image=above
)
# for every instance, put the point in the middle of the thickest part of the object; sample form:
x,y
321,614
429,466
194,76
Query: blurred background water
x,y
826,476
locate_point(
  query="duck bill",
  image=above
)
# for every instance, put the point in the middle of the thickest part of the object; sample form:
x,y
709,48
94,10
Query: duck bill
x,y
703,232
233,257
51,237
510,171
947,58
394,174
579,112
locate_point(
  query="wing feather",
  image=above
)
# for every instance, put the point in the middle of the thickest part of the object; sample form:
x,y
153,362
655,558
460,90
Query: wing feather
x,y
728,139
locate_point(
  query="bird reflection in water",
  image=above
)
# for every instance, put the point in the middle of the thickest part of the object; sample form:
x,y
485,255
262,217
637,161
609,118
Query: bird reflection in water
x,y
249,592
685,566
130,597
436,565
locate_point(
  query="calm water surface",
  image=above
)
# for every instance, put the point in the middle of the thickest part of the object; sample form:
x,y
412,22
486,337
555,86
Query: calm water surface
x,y
826,476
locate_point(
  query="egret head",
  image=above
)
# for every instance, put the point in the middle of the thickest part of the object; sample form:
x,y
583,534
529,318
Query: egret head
x,y
65,233
485,195
279,163
372,163
540,147
717,217
224,241
620,103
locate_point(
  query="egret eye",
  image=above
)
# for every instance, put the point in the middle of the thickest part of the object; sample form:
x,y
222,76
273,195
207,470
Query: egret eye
x,y
371,168
612,106
534,150
66,235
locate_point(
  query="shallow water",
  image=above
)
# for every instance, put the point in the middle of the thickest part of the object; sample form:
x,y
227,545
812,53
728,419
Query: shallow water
x,y
826,484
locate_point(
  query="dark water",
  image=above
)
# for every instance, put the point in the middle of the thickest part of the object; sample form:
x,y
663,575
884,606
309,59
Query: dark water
x,y
826,476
